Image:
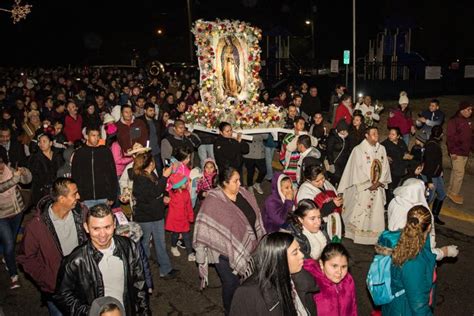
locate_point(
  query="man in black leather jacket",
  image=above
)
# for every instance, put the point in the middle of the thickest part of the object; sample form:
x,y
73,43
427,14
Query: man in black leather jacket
x,y
106,265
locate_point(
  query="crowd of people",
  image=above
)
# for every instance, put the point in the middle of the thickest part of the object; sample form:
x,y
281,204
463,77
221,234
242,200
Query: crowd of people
x,y
105,162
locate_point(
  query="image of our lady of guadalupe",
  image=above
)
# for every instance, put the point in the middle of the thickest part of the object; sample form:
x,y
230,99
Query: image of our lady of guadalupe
x,y
230,62
375,171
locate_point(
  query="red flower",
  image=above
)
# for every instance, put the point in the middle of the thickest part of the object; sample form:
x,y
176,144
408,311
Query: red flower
x,y
250,57
203,77
209,27
201,57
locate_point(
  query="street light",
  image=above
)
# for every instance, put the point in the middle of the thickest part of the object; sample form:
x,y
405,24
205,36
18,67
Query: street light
x,y
310,22
159,32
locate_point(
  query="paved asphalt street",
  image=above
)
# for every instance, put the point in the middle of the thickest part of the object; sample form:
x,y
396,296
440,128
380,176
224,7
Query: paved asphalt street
x,y
455,291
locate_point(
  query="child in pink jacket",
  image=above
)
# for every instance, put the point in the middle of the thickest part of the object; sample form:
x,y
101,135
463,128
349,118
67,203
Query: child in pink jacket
x,y
337,295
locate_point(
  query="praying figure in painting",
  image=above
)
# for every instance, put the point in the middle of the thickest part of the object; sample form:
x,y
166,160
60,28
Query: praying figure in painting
x,y
363,184
230,69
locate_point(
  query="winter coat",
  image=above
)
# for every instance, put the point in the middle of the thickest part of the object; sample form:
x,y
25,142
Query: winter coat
x,y
249,299
121,161
459,136
229,152
171,142
44,173
207,181
11,201
40,252
323,197
337,152
93,169
277,207
396,153
417,277
127,135
397,118
180,213
342,112
432,119
333,299
256,147
432,160
80,279
73,128
148,194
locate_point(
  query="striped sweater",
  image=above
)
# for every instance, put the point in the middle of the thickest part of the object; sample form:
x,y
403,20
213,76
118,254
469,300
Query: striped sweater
x,y
289,160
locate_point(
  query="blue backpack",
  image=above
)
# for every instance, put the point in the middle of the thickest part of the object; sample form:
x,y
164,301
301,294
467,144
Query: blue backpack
x,y
379,276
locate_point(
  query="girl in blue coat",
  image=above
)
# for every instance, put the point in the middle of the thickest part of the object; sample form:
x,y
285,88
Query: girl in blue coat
x,y
413,267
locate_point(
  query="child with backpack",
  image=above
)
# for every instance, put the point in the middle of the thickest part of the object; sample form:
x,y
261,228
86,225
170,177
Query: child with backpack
x,y
402,276
180,214
337,295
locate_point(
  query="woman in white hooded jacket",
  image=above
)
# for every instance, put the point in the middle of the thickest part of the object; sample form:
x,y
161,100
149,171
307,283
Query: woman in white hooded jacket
x,y
412,193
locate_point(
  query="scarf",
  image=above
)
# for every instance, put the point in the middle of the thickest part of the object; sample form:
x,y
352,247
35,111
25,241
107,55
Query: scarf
x,y
222,229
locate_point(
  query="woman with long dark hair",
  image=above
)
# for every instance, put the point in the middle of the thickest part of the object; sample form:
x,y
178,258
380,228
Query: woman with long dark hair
x,y
270,290
148,191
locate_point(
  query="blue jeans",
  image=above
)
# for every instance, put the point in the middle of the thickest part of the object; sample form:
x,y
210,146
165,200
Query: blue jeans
x,y
8,231
92,203
230,282
53,309
157,229
406,138
439,189
205,151
269,151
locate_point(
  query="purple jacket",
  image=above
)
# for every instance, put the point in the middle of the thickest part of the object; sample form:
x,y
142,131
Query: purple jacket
x,y
332,299
276,208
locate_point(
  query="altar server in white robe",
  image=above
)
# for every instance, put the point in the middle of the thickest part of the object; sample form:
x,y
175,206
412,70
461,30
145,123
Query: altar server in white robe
x,y
363,184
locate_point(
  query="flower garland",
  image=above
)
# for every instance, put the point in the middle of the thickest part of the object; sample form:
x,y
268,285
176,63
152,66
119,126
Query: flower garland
x,y
240,114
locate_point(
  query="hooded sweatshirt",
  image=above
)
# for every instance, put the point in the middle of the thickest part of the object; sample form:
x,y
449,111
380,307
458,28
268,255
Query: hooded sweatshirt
x,y
411,193
332,299
99,303
276,207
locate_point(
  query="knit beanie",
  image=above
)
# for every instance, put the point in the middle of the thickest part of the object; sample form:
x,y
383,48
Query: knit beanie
x,y
403,98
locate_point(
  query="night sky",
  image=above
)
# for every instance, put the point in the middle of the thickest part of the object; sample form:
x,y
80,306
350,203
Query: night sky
x,y
85,31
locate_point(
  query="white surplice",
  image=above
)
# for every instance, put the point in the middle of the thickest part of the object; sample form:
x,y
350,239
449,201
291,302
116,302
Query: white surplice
x,y
363,211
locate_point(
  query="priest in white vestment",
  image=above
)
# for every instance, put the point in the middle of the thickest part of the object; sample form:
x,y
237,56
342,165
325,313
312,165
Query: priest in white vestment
x,y
363,184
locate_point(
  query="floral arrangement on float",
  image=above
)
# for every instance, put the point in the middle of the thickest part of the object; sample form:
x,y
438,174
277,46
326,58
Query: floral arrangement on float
x,y
240,114
228,54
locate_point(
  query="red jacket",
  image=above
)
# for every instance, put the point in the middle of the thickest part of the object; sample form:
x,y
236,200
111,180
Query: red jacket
x,y
180,213
73,128
342,112
460,139
398,119
40,251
